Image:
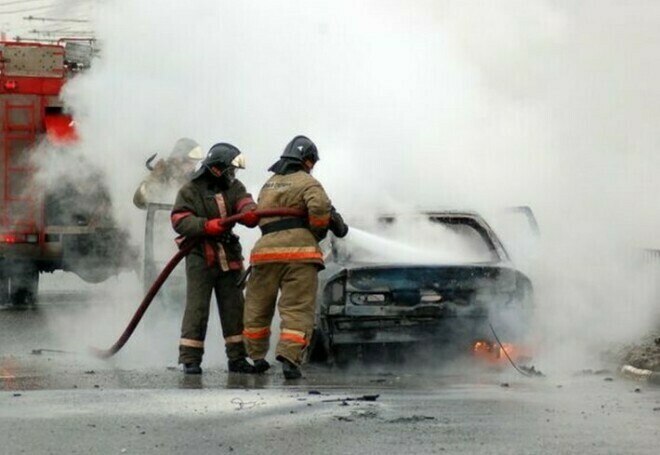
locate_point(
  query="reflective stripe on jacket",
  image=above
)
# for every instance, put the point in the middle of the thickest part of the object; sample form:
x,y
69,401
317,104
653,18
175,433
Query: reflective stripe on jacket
x,y
200,200
298,190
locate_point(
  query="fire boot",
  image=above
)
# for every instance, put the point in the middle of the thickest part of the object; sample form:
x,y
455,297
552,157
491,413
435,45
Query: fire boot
x,y
289,369
261,366
192,368
240,365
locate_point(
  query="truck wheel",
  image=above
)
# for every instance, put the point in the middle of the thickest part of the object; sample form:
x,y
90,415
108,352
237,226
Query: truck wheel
x,y
4,289
24,287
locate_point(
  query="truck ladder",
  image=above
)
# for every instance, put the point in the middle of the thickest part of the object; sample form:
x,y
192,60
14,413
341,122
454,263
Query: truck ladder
x,y
19,138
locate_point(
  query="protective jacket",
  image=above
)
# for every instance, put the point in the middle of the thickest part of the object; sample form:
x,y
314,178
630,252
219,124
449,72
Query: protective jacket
x,y
298,190
203,199
212,266
161,184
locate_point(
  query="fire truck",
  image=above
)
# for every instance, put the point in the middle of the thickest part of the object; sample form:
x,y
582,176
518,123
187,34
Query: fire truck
x,y
62,224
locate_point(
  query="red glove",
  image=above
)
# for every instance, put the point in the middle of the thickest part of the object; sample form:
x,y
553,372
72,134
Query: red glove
x,y
249,219
214,227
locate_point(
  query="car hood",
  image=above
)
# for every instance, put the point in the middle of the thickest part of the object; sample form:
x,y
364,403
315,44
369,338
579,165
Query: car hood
x,y
377,278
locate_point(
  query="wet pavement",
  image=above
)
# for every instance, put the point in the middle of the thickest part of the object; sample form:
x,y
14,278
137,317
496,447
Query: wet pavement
x,y
56,398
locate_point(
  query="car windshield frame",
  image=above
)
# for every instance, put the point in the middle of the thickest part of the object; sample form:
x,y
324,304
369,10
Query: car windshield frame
x,y
498,254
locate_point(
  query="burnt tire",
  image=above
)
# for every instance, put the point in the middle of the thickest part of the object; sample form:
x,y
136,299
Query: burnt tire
x,y
318,349
345,355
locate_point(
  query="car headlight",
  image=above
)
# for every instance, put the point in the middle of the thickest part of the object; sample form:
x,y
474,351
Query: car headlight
x,y
334,292
369,298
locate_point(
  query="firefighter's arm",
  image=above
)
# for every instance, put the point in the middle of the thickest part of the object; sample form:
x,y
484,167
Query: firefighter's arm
x,y
140,196
184,219
145,192
246,205
160,170
318,210
337,224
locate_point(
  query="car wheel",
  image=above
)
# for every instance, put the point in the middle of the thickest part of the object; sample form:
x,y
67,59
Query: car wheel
x,y
318,349
343,356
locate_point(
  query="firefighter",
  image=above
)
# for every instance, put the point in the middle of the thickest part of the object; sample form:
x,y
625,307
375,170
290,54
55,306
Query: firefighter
x,y
287,259
167,176
216,263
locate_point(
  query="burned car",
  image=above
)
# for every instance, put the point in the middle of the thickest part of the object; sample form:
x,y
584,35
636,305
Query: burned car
x,y
426,281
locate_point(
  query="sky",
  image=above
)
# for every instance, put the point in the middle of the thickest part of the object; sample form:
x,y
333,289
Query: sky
x,y
45,19
426,103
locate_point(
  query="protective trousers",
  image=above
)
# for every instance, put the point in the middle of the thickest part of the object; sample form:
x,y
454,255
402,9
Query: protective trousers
x,y
201,281
297,284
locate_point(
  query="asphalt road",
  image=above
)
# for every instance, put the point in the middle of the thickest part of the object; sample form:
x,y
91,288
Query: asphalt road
x,y
54,402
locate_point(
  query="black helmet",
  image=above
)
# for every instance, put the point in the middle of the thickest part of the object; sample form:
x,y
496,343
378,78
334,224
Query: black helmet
x,y
223,156
301,148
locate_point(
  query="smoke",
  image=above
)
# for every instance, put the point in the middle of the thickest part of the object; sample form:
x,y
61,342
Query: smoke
x,y
479,105
415,241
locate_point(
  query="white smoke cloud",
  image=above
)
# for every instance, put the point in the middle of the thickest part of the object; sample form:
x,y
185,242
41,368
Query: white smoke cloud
x,y
412,103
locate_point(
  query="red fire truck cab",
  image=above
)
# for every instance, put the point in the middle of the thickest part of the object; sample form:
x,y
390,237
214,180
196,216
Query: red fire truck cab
x,y
45,227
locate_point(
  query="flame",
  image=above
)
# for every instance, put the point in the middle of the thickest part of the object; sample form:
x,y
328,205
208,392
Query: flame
x,y
493,353
7,369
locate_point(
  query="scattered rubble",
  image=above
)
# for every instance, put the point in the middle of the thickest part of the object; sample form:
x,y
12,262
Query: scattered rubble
x,y
644,355
362,398
531,370
411,419
641,361
590,372
57,351
365,414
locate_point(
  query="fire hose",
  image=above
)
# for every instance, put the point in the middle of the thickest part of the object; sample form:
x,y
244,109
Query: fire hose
x,y
186,248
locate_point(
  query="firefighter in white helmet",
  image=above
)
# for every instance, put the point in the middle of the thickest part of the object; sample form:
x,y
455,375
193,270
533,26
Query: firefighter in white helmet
x,y
167,175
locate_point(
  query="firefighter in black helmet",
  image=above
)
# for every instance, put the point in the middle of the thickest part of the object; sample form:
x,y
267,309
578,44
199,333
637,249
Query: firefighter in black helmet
x,y
287,258
216,263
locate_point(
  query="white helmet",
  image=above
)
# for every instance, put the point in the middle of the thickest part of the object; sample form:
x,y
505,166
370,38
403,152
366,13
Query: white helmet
x,y
187,148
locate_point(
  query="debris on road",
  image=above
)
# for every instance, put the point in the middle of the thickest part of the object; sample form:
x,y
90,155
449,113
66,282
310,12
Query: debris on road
x,y
531,370
641,374
411,419
343,419
240,404
644,355
56,351
589,371
362,398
